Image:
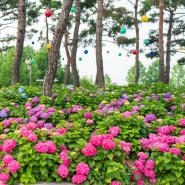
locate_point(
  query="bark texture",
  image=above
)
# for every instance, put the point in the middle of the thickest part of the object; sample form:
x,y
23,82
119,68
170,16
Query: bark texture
x,y
137,42
161,43
76,81
20,41
67,71
100,81
55,47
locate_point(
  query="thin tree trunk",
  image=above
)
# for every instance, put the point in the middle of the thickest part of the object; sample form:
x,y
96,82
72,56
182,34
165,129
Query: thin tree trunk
x,y
20,41
168,49
137,42
76,81
55,47
161,47
67,71
99,58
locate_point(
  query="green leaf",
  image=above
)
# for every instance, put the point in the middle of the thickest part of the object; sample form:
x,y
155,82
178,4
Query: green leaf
x,y
178,173
110,156
91,163
180,180
108,179
43,162
44,171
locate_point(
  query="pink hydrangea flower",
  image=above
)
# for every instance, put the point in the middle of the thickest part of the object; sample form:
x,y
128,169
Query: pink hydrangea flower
x,y
88,115
63,171
127,114
13,166
78,179
96,140
64,158
9,145
108,144
140,182
7,159
149,173
31,125
114,131
150,164
115,183
6,123
183,158
45,147
90,122
139,165
182,122
175,151
4,176
89,150
82,168
126,147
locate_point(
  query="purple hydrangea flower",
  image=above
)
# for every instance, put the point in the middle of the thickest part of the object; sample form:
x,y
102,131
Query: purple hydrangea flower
x,y
167,95
149,118
48,125
3,114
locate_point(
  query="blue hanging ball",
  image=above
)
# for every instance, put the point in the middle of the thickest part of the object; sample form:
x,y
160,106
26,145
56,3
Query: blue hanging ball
x,y
152,52
33,42
86,51
62,58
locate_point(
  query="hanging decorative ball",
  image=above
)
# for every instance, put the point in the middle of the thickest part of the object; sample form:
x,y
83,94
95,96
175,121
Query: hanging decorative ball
x,y
62,58
48,13
32,42
86,51
181,48
144,18
73,9
80,59
119,54
123,30
32,61
48,46
152,52
107,51
134,51
146,42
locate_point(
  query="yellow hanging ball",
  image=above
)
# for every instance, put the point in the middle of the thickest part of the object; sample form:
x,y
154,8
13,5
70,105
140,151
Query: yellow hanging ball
x,y
48,46
144,18
181,48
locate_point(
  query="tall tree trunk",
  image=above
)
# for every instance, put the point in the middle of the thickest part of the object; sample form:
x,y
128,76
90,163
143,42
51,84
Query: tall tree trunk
x,y
76,81
99,58
161,47
137,42
20,41
67,71
55,47
168,48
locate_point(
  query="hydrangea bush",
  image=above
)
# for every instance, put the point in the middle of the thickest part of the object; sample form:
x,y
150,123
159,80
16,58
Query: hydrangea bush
x,y
116,136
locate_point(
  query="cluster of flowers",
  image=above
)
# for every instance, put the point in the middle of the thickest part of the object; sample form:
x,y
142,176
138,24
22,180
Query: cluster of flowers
x,y
162,141
143,167
82,170
45,147
106,142
8,122
29,134
88,116
74,109
8,161
39,112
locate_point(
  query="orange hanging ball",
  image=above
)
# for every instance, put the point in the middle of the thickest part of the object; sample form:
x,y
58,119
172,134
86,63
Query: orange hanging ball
x,y
134,51
144,18
48,13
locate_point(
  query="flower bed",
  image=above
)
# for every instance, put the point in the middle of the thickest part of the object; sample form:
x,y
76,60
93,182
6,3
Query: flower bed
x,y
114,136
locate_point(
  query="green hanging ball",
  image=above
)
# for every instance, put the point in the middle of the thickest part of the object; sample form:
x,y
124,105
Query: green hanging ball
x,y
123,30
32,61
73,9
80,59
119,54
146,42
